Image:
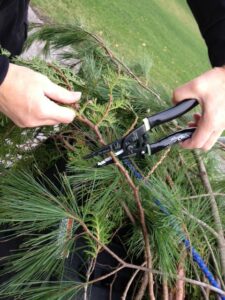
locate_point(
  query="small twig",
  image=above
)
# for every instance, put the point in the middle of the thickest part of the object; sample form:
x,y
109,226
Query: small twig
x,y
88,274
76,63
66,144
142,289
180,284
92,126
157,164
106,111
111,286
61,74
170,181
106,276
201,196
124,296
132,126
200,222
165,289
127,210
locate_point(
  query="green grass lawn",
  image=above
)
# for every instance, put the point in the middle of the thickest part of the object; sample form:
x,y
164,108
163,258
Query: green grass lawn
x,y
160,30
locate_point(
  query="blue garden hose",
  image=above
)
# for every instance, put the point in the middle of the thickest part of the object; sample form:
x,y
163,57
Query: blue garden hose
x,y
195,255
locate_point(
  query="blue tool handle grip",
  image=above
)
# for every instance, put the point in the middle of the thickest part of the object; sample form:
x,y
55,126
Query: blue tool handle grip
x,y
174,138
172,113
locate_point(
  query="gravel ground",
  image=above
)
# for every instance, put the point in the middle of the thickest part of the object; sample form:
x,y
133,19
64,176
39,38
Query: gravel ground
x,y
36,48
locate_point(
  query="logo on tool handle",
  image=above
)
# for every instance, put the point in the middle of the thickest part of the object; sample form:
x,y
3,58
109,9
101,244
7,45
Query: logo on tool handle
x,y
180,138
116,146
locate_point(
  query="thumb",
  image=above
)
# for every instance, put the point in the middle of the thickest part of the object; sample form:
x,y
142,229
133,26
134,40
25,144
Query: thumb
x,y
58,113
59,94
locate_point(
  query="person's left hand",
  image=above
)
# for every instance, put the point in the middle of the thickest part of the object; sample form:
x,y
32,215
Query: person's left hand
x,y
30,99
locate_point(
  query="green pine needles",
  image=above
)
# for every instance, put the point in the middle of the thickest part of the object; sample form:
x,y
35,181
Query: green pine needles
x,y
60,213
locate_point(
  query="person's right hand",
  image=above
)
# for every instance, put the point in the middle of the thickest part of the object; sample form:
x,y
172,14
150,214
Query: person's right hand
x,y
29,99
209,90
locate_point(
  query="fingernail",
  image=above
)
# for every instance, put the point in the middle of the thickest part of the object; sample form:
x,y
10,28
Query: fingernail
x,y
77,95
73,111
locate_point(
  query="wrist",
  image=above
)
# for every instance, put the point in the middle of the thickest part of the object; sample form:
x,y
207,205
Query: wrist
x,y
4,67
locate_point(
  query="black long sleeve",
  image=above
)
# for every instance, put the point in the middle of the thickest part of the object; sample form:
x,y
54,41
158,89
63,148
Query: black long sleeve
x,y
13,30
13,24
210,16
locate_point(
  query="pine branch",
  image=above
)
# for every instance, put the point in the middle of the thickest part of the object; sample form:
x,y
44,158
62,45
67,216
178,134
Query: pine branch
x,y
135,190
201,196
215,210
102,74
214,260
118,63
201,223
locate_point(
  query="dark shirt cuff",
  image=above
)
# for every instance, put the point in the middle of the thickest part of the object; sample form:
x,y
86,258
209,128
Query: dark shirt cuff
x,y
210,16
4,66
215,40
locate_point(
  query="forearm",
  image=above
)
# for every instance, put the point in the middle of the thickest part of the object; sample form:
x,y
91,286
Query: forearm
x,y
210,16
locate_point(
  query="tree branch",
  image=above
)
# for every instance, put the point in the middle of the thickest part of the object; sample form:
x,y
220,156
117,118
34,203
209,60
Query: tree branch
x,y
121,168
144,284
215,210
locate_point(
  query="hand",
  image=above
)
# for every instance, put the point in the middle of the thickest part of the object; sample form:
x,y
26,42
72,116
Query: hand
x,y
25,98
209,90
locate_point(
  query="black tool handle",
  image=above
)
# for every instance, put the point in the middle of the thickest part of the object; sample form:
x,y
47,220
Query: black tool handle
x,y
174,138
172,113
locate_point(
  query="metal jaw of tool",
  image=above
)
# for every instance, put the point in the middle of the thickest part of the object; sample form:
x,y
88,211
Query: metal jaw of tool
x,y
136,142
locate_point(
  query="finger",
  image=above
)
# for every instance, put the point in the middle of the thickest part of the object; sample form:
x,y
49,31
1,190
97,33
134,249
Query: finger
x,y
47,123
36,123
184,92
58,93
212,140
201,134
192,124
57,113
197,118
